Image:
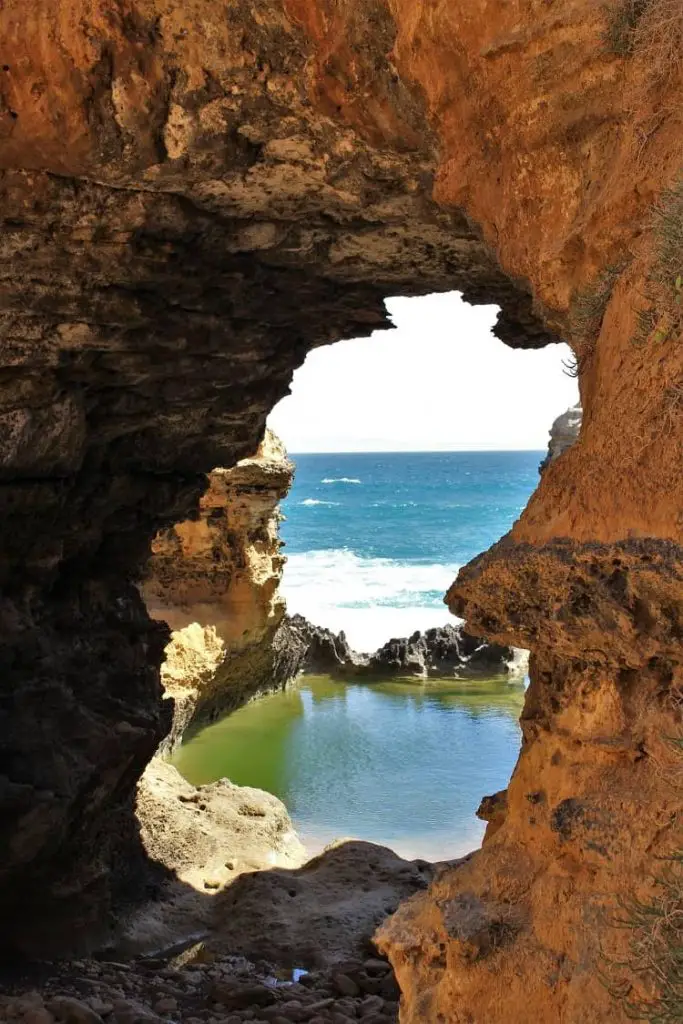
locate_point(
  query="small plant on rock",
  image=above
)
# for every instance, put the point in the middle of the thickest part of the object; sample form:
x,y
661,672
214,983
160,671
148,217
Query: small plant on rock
x,y
586,313
657,949
622,20
649,29
665,319
649,984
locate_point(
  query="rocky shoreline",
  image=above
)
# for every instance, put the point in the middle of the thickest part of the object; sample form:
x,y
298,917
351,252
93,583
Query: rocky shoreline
x,y
232,868
441,652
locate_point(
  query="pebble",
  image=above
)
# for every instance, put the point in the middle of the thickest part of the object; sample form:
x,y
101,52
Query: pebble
x,y
133,1013
346,1006
321,1004
37,1015
345,986
216,990
371,1004
293,1011
100,1006
375,966
389,988
166,1005
68,1010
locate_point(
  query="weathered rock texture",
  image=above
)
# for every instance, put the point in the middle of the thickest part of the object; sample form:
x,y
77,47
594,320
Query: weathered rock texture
x,y
320,914
441,652
195,194
204,837
563,434
215,581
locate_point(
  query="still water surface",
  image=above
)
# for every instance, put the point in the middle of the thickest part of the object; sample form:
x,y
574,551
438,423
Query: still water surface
x,y
400,763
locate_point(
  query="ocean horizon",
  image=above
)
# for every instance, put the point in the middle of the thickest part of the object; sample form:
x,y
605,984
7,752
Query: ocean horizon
x,y
374,539
420,451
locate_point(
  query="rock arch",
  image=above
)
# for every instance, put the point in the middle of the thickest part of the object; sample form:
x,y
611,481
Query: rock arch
x,y
194,195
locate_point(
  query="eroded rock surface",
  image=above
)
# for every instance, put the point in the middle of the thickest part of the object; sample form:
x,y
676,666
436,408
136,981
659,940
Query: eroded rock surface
x,y
193,196
321,914
441,652
215,581
204,837
326,653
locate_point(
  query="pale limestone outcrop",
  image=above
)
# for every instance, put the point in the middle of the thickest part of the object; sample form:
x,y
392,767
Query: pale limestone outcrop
x,y
211,833
215,581
203,838
563,434
223,568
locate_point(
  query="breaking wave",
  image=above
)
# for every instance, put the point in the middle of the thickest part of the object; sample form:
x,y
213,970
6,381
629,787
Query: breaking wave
x,y
371,599
340,480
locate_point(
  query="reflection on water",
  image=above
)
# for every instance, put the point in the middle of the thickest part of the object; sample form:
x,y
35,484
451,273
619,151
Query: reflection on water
x,y
402,763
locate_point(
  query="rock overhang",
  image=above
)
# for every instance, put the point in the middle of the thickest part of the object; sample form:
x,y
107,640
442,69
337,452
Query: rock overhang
x,y
191,202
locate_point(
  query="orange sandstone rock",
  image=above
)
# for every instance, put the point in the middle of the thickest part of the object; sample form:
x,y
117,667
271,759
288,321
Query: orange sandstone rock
x,y
194,195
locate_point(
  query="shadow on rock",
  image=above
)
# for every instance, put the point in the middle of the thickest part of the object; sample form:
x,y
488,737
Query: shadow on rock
x,y
318,915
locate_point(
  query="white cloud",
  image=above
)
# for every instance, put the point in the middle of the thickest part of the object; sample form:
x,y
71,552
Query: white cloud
x,y
440,380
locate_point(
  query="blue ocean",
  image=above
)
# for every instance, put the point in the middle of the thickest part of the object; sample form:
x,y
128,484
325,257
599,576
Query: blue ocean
x,y
374,540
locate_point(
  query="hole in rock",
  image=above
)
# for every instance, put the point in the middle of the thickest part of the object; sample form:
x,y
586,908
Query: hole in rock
x,y
415,450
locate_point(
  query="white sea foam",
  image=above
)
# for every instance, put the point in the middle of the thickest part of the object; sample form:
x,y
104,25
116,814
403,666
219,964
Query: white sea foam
x,y
371,599
518,664
340,480
317,501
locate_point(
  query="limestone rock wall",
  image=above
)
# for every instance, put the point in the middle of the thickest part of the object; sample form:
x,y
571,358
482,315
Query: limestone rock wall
x,y
214,580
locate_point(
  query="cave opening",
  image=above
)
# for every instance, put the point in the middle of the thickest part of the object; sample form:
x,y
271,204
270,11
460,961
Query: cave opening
x,y
402,475
195,195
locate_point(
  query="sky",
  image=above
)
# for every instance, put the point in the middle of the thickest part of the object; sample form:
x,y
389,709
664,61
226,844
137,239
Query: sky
x,y
439,381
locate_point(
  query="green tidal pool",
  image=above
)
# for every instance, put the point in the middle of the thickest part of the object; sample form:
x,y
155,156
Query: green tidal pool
x,y
402,763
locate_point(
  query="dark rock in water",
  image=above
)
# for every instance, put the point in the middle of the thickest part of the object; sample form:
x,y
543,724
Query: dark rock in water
x,y
442,651
327,652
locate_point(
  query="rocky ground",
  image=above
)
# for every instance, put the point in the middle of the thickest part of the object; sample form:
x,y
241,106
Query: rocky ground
x,y
195,988
236,884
